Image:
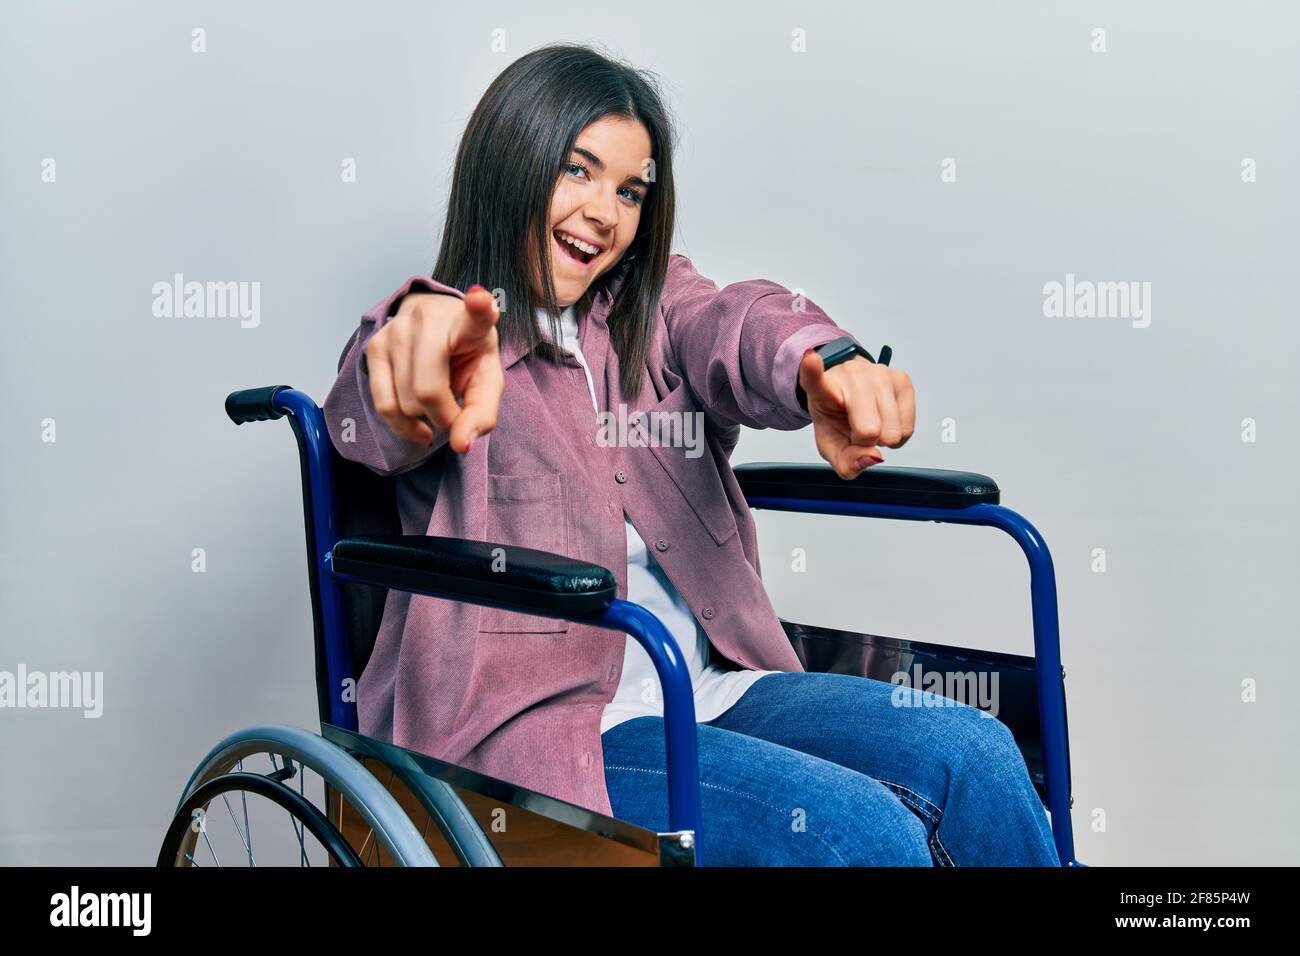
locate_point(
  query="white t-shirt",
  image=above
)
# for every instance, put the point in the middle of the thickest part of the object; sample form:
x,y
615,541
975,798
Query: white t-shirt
x,y
639,692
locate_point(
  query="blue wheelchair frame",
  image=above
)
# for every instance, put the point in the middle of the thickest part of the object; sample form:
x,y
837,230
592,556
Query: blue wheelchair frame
x,y
803,489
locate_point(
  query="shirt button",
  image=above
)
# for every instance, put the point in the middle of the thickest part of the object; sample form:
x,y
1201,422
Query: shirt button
x,y
661,545
620,476
708,613
613,668
586,760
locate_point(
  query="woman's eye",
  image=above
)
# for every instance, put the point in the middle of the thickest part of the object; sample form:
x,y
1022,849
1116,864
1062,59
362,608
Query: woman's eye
x,y
632,194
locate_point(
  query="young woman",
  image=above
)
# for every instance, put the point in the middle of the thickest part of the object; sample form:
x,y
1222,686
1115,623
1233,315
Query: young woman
x,y
562,202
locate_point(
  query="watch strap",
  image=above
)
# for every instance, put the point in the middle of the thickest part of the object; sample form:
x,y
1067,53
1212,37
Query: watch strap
x,y
833,353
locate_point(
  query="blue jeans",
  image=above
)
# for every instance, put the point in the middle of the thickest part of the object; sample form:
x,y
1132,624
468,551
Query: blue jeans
x,y
813,769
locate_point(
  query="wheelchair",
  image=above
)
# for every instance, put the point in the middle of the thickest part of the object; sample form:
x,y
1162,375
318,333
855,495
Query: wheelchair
x,y
359,801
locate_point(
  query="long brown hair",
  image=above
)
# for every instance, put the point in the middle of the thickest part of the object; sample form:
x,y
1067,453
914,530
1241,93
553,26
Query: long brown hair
x,y
510,158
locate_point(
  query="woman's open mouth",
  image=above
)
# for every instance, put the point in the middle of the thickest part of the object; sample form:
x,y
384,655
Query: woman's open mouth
x,y
578,256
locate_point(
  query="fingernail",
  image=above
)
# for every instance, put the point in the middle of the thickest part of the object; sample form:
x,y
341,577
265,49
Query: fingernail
x,y
470,444
867,460
475,288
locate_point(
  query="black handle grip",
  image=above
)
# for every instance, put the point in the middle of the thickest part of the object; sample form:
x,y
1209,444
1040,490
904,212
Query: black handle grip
x,y
254,404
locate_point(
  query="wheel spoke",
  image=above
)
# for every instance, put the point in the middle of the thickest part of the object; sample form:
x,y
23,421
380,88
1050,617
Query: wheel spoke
x,y
246,841
203,828
365,846
247,829
296,828
302,777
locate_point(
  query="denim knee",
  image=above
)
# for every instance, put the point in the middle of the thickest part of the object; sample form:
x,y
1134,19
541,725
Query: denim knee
x,y
967,737
872,829
990,741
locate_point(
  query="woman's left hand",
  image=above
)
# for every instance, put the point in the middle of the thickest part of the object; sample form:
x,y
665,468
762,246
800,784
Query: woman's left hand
x,y
855,407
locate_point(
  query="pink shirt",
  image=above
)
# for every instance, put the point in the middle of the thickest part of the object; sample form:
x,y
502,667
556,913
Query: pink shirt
x,y
639,693
520,697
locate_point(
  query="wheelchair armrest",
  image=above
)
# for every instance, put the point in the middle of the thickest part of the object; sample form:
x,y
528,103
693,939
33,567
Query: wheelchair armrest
x,y
513,577
879,484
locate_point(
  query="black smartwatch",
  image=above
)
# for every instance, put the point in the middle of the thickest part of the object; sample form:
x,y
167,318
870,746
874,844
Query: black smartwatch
x,y
836,352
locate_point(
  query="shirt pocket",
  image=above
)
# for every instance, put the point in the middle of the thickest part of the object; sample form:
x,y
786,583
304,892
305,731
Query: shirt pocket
x,y
696,479
530,511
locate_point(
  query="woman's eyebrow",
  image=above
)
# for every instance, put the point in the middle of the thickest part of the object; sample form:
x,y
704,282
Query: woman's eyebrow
x,y
600,164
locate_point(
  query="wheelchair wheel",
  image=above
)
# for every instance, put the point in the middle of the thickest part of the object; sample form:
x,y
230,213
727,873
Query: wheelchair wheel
x,y
233,810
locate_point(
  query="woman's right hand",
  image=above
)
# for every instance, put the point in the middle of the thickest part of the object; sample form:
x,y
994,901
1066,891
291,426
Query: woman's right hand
x,y
438,347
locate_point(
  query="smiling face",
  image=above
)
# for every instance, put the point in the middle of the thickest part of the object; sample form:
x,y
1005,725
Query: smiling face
x,y
597,201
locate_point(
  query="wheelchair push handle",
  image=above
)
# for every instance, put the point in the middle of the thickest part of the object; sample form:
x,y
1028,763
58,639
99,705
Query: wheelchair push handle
x,y
254,404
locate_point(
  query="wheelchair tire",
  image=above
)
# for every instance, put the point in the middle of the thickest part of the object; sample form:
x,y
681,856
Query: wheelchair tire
x,y
299,807
216,775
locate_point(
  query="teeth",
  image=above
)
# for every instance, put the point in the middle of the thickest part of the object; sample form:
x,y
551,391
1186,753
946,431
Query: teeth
x,y
586,247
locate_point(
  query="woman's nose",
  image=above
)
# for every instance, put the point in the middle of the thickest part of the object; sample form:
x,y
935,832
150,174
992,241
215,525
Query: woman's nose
x,y
603,211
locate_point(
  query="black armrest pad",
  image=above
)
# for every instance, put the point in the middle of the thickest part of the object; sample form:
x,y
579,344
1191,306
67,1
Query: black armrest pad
x,y
528,580
879,484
